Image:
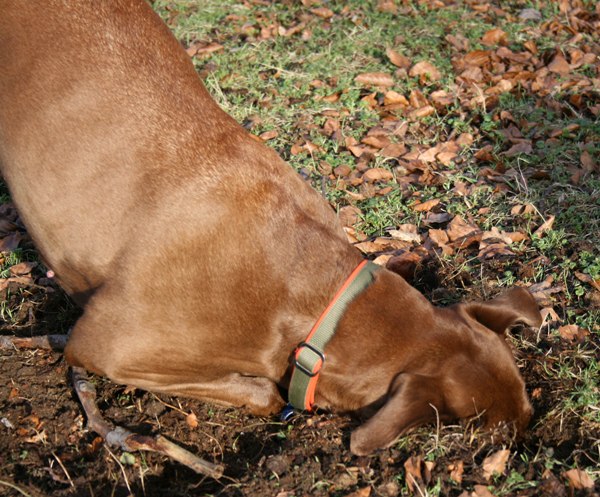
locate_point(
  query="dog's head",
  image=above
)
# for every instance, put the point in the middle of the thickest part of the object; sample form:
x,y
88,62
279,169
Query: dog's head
x,y
468,370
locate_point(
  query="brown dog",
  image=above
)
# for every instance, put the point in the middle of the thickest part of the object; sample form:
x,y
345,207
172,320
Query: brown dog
x,y
201,259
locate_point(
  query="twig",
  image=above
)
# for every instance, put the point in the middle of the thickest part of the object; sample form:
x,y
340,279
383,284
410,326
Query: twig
x,y
117,436
63,468
47,342
14,487
120,466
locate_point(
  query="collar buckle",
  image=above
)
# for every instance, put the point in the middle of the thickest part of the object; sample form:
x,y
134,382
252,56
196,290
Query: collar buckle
x,y
299,358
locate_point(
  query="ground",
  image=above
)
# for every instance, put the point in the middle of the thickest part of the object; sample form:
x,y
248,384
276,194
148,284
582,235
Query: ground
x,y
460,137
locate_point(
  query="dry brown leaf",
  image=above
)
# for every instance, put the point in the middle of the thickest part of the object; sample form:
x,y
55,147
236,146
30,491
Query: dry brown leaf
x,y
425,68
426,111
203,49
465,140
322,12
417,99
493,250
192,420
397,59
394,98
442,98
520,209
439,237
446,158
494,37
586,278
437,217
543,291
22,268
388,6
268,135
458,41
477,58
573,333
375,79
426,206
393,150
578,479
456,471
10,242
548,314
406,233
412,467
377,174
546,226
587,162
495,463
481,491
459,228
39,437
559,65
523,147
429,154
349,215
516,236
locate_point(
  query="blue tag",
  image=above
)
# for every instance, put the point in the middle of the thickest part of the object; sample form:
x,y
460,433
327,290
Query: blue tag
x,y
287,413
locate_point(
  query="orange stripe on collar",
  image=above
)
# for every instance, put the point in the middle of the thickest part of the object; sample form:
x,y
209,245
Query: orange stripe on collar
x,y
309,357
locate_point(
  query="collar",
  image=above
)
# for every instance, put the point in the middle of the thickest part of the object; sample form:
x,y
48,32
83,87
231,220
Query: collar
x,y
309,356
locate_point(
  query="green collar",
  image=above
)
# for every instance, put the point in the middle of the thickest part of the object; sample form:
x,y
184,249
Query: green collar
x,y
309,356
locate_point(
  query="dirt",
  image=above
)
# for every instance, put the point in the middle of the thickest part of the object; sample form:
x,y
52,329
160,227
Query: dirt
x,y
46,450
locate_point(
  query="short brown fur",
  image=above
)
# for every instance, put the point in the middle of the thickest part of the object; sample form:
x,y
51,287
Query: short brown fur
x,y
200,258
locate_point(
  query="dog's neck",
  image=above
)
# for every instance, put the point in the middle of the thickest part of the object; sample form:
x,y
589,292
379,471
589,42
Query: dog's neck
x,y
378,321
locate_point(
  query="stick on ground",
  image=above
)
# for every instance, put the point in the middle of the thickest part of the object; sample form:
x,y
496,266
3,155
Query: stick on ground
x,y
117,436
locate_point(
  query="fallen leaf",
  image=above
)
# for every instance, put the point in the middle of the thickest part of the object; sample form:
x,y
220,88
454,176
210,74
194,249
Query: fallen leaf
x,y
425,68
578,479
456,471
587,162
530,15
573,333
22,268
545,226
268,135
586,278
559,65
414,478
459,228
523,147
349,215
397,59
495,463
406,235
192,420
322,12
426,206
10,242
394,98
481,491
494,37
548,313
375,79
39,437
377,174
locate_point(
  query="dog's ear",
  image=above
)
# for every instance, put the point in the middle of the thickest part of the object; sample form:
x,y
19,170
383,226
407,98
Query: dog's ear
x,y
513,307
409,404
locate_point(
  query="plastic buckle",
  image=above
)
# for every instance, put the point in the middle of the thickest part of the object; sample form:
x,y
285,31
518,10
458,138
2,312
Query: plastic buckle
x,y
301,367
